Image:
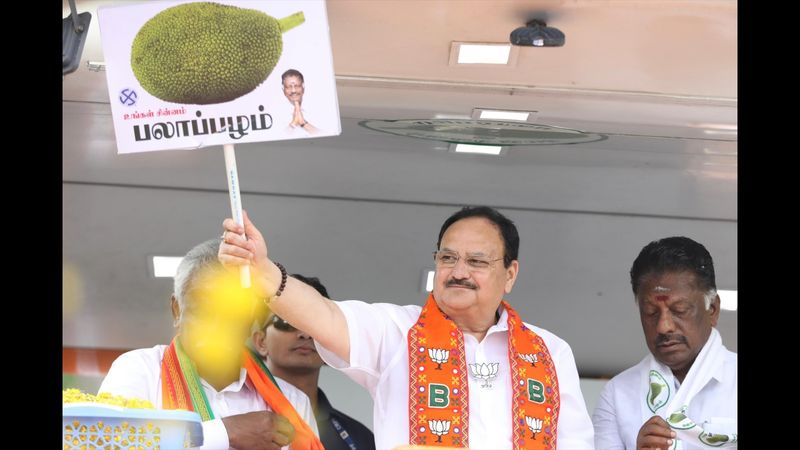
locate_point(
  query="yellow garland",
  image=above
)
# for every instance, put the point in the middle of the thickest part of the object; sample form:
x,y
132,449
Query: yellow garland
x,y
75,395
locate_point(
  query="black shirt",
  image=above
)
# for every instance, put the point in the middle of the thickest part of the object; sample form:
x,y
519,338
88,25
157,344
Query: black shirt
x,y
338,431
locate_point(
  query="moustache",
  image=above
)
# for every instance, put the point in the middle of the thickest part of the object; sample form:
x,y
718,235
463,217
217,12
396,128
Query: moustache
x,y
664,338
460,283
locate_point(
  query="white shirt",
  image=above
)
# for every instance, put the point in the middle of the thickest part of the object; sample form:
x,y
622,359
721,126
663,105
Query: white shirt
x,y
297,129
316,113
379,362
283,115
137,373
617,418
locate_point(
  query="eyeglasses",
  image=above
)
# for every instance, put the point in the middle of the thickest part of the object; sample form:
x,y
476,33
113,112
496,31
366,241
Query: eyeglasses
x,y
447,258
280,324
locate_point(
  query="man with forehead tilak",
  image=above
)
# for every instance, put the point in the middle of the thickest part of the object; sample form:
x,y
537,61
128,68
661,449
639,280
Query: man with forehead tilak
x,y
683,394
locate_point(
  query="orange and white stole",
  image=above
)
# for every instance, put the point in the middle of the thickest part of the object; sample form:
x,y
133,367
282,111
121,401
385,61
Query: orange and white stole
x,y
181,389
439,391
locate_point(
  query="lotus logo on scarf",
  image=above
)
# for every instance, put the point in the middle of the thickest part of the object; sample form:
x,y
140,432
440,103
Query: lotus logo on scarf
x,y
658,395
485,372
439,428
532,358
534,424
439,356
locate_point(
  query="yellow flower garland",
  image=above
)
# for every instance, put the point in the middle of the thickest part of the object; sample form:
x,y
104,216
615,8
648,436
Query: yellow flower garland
x,y
75,395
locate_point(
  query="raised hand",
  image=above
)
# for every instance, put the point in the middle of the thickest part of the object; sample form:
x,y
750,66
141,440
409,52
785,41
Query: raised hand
x,y
235,251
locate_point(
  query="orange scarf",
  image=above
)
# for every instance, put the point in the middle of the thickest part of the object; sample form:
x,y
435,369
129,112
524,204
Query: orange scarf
x,y
181,389
439,390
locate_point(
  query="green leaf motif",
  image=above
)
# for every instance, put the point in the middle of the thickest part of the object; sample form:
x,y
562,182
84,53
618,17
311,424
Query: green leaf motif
x,y
655,389
676,417
714,440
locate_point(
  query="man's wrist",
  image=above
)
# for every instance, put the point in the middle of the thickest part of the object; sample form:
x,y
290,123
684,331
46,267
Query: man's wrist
x,y
278,273
284,276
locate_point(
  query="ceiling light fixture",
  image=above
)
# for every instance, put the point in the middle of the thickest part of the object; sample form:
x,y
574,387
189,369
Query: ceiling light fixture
x,y
494,114
96,66
166,266
729,300
716,126
479,149
480,53
483,54
429,276
536,33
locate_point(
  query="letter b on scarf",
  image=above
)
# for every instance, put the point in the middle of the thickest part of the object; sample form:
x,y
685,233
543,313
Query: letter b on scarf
x,y
438,396
535,391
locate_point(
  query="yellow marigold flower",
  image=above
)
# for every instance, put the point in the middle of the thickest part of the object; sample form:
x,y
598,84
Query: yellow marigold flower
x,y
75,395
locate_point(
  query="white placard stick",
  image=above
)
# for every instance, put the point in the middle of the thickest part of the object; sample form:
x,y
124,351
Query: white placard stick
x,y
236,203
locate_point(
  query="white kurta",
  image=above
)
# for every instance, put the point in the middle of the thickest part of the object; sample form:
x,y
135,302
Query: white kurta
x,y
618,417
283,115
379,362
137,373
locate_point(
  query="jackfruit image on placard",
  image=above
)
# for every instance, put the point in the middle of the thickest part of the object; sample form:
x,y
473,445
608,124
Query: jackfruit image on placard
x,y
203,52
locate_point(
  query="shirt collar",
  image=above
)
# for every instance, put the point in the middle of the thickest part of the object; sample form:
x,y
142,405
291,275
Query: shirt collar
x,y
236,386
502,322
719,370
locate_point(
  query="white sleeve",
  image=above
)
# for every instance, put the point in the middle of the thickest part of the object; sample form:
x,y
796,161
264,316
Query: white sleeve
x,y
574,425
215,436
132,375
376,333
606,427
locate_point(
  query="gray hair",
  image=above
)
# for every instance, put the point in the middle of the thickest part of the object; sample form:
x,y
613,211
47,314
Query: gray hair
x,y
709,297
201,257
